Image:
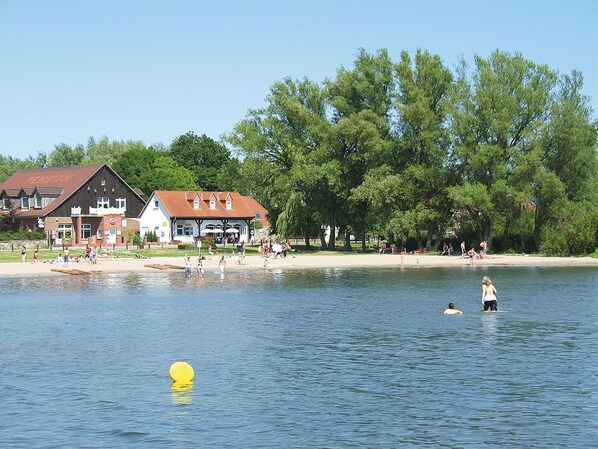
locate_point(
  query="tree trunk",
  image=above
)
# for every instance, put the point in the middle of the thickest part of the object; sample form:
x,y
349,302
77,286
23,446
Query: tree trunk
x,y
323,239
363,247
347,245
332,237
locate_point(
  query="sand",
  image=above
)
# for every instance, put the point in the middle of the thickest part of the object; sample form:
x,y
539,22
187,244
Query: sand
x,y
294,261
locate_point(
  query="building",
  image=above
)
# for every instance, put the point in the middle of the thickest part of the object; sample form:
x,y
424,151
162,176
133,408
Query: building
x,y
186,216
88,204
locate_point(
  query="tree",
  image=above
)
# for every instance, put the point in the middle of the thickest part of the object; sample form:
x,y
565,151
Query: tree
x,y
66,156
496,119
203,156
106,152
286,143
134,164
166,174
361,101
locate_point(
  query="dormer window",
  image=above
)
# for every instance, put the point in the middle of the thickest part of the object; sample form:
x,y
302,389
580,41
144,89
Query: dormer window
x,y
213,204
196,204
6,204
229,205
38,201
258,216
25,203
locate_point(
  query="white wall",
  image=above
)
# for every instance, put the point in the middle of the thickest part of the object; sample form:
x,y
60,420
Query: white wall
x,y
153,218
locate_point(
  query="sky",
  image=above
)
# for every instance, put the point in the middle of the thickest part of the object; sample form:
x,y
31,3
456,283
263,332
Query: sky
x,y
153,70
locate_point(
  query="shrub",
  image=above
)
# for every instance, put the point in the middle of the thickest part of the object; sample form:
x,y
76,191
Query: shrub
x,y
22,234
187,246
571,230
151,236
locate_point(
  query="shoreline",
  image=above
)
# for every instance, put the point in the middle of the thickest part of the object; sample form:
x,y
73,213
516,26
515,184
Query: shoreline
x,y
294,261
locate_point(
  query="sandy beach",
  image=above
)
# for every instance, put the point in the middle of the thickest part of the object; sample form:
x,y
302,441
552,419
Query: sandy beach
x,y
293,261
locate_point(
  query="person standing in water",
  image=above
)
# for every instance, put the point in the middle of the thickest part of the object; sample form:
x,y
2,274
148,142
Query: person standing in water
x,y
489,295
222,265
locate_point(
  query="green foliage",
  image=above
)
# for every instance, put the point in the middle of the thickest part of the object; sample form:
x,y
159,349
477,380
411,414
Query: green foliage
x,y
151,236
166,174
570,229
187,246
21,234
203,157
207,241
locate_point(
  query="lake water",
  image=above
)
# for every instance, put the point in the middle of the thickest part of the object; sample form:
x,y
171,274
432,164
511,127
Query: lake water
x,y
304,359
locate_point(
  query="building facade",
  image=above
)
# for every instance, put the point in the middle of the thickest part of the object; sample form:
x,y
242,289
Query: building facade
x,y
187,216
79,205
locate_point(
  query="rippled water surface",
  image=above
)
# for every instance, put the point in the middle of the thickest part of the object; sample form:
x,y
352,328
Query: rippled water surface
x,y
317,358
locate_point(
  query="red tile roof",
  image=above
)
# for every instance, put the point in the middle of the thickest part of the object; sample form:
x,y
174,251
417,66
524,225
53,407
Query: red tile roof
x,y
180,204
62,181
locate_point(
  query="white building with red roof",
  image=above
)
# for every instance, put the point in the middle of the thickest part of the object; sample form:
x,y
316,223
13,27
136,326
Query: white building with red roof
x,y
187,215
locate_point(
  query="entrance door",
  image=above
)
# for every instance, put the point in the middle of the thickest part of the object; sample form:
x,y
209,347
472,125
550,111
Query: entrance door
x,y
112,236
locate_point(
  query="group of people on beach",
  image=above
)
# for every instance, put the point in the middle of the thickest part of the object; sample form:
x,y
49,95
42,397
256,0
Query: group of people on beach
x,y
489,300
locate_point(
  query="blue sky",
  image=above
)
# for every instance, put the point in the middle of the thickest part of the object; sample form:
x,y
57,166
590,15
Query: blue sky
x,y
153,70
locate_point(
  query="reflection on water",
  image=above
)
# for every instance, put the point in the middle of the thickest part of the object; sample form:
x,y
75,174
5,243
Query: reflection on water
x,y
307,358
489,328
182,392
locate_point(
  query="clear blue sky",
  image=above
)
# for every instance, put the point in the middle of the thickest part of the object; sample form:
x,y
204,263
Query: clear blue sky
x,y
153,70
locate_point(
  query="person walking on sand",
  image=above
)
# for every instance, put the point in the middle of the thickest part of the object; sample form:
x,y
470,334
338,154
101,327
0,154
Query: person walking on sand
x,y
489,295
66,257
35,257
463,252
23,253
222,265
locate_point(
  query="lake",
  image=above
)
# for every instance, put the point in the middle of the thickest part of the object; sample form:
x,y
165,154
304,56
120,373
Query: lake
x,y
334,358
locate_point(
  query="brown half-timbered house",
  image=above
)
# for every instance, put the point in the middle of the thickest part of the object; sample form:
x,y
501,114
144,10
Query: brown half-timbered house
x,y
87,204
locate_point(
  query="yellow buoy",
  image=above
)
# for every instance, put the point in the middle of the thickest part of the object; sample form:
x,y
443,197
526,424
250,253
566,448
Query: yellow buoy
x,y
181,372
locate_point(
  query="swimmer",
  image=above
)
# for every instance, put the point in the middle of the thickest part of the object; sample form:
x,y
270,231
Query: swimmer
x,y
451,310
489,295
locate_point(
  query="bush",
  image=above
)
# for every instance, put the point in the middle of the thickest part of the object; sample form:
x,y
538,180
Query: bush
x,y
571,229
187,246
22,234
151,236
137,239
207,241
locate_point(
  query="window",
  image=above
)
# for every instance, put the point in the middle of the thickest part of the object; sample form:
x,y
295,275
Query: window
x,y
258,216
229,205
65,231
103,182
85,231
25,202
184,229
121,203
156,204
38,201
196,204
6,203
103,201
212,204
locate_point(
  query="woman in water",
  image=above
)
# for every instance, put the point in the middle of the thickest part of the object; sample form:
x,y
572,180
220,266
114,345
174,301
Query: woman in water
x,y
489,295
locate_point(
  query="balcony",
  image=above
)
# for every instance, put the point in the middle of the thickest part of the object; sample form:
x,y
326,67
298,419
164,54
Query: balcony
x,y
100,211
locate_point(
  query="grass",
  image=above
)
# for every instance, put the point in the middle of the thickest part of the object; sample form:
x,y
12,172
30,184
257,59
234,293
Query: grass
x,y
228,250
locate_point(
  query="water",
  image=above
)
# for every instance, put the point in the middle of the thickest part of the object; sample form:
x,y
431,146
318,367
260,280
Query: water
x,y
317,358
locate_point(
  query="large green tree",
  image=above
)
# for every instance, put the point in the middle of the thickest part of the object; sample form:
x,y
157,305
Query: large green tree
x,y
202,156
497,117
